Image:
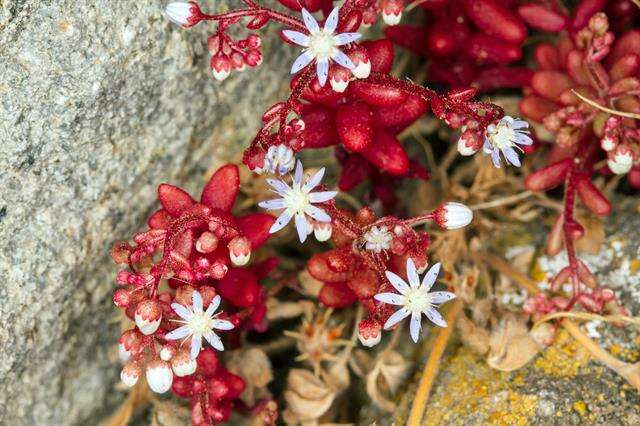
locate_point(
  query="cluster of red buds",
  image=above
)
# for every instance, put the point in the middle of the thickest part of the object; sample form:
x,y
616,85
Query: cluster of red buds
x,y
228,54
198,249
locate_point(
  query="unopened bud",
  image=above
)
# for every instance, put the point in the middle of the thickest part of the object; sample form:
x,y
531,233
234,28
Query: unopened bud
x,y
159,376
167,352
239,251
220,67
207,242
148,316
369,332
186,14
183,364
129,344
130,374
453,215
322,231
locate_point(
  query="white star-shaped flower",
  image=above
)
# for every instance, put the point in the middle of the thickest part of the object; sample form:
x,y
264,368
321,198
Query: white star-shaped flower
x,y
297,201
321,45
199,324
378,239
503,137
415,299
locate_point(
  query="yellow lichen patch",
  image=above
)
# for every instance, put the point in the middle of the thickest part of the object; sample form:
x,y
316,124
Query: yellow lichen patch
x,y
564,359
634,266
472,388
537,273
580,407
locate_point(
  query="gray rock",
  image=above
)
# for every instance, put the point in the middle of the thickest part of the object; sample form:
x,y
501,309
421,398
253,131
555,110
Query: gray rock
x,y
99,102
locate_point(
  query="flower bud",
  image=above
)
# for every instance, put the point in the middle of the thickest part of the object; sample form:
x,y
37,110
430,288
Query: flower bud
x,y
207,242
130,374
470,142
148,316
167,352
369,332
608,143
453,215
322,231
183,364
129,344
122,298
620,160
340,77
239,250
220,67
159,376
186,14
391,11
360,58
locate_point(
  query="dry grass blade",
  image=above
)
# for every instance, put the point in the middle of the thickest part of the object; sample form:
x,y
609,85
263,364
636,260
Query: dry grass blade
x,y
137,398
631,372
586,316
605,109
431,367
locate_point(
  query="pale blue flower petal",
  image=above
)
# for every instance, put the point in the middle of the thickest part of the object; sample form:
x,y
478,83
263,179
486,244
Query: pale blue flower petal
x,y
297,37
178,333
281,222
332,21
196,345
322,196
397,282
435,317
390,298
215,303
397,316
412,274
511,156
196,299
275,204
415,325
182,312
322,70
439,297
301,61
301,227
317,214
214,341
342,59
222,324
346,38
309,21
313,180
430,277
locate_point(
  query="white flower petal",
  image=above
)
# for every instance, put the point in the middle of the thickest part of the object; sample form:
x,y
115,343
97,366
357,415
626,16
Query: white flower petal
x,y
342,59
178,333
512,156
390,298
415,325
214,341
275,204
279,186
430,276
322,196
196,345
322,70
346,38
397,282
297,37
495,158
397,316
182,312
439,297
301,61
435,317
281,222
301,227
412,274
222,324
309,21
332,21
297,175
317,214
196,299
313,180
215,303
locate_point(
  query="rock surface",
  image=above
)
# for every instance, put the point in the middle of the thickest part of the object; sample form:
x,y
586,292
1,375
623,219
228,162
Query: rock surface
x,y
562,385
100,102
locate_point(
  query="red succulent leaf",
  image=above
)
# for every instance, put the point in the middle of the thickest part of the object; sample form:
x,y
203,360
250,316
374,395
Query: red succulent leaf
x,y
354,125
380,54
592,197
174,200
386,153
256,227
549,176
336,295
542,17
160,219
240,287
494,19
376,94
222,189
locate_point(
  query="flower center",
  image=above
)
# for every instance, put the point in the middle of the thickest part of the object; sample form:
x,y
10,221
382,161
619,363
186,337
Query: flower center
x,y
322,44
297,200
417,300
200,324
503,136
